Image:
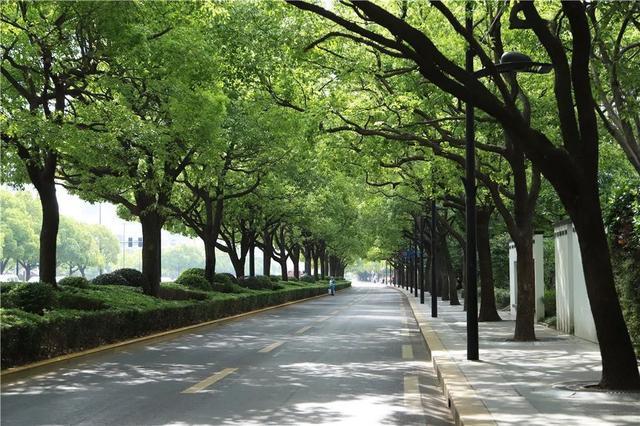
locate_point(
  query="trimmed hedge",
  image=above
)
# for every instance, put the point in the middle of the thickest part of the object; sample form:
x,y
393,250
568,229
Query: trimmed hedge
x,y
308,279
229,277
110,279
33,297
195,281
132,276
259,282
193,271
67,300
28,338
173,292
227,288
78,282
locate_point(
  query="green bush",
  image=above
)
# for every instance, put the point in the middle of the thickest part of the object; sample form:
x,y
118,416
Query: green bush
x,y
193,271
222,279
308,279
78,282
70,300
226,288
502,297
195,281
231,277
549,300
275,278
277,287
6,301
110,279
33,297
259,282
173,293
132,276
5,287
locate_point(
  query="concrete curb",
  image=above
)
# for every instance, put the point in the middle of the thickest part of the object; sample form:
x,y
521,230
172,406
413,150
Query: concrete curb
x,y
466,406
10,372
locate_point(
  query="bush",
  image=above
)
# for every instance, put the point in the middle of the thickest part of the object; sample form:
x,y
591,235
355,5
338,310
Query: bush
x,y
308,279
33,297
77,282
172,293
110,279
275,278
222,279
195,281
5,287
193,271
132,276
277,287
502,297
549,300
227,288
259,282
229,276
70,300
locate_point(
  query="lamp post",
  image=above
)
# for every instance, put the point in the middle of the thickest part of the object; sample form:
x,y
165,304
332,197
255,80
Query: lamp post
x,y
509,62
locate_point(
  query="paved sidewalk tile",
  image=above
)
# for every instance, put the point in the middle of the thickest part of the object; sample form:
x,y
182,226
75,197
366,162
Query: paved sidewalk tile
x,y
517,383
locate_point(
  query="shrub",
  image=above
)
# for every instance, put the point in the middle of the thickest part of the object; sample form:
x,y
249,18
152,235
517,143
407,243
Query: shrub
x,y
222,279
110,279
549,300
33,297
308,279
6,301
275,278
172,293
193,271
70,300
229,276
78,282
226,288
5,287
277,287
259,282
502,297
194,281
132,276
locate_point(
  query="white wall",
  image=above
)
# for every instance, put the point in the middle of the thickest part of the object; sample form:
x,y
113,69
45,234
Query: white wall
x,y
538,259
572,304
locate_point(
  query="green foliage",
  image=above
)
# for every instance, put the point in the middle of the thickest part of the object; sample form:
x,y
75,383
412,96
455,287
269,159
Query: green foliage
x,y
78,282
177,292
549,300
227,288
502,297
194,280
259,282
110,279
33,297
192,271
275,278
133,277
72,300
6,287
178,258
308,279
225,278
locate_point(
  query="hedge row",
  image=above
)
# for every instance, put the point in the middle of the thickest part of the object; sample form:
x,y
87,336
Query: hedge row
x,y
32,337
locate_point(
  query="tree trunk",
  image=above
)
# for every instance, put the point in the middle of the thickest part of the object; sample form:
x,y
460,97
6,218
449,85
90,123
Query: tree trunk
x,y
525,317
307,259
49,231
295,258
209,259
619,364
488,311
267,252
238,265
82,269
252,260
151,249
316,260
451,281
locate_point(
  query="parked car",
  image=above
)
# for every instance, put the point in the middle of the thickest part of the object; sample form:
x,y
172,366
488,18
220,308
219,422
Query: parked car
x,y
9,278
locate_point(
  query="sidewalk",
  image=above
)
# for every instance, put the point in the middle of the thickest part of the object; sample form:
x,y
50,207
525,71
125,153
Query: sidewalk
x,y
517,383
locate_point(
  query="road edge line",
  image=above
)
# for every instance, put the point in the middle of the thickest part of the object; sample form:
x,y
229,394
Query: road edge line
x,y
467,408
62,358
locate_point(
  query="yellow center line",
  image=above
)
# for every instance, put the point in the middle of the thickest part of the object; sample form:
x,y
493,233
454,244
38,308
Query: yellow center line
x,y
303,329
210,380
412,394
407,352
270,347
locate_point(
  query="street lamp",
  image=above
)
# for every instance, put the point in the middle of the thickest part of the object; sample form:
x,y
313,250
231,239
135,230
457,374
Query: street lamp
x,y
509,62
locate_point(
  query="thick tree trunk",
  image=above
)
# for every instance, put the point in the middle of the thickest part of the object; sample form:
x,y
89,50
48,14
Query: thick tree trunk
x,y
209,259
252,260
619,364
525,271
488,310
295,258
451,282
238,265
267,252
316,261
49,230
151,249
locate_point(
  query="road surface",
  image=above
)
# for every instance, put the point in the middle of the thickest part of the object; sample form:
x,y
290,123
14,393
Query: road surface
x,y
356,358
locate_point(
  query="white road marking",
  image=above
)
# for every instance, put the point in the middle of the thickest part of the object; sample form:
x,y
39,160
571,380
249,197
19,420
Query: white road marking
x,y
210,380
270,347
303,329
407,352
412,399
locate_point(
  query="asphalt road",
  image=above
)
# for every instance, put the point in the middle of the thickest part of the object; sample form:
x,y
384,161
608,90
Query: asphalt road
x,y
353,359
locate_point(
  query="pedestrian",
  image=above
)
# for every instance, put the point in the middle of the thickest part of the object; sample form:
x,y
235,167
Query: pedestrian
x,y
332,286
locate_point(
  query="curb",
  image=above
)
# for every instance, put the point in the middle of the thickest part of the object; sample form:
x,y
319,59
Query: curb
x,y
466,406
4,374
